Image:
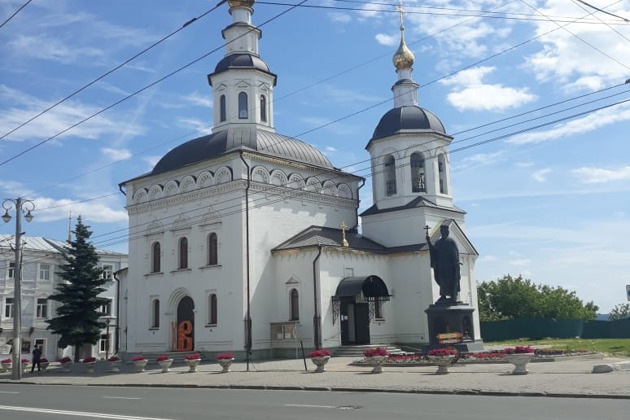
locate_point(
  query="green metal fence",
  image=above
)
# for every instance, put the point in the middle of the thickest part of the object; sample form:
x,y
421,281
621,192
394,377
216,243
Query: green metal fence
x,y
553,328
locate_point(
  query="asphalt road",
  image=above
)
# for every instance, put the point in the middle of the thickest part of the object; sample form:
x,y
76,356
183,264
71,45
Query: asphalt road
x,y
32,402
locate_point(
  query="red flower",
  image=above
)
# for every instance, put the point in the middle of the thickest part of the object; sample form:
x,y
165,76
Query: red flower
x,y
161,358
442,352
113,359
319,353
65,359
138,358
89,359
225,356
518,350
375,351
6,361
194,356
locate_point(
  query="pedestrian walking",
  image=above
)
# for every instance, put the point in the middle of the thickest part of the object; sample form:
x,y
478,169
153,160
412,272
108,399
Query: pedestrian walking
x,y
37,356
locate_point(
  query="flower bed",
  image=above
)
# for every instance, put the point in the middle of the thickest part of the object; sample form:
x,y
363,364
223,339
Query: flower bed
x,y
518,350
442,352
7,361
65,359
138,358
194,356
161,358
223,356
113,359
319,353
89,359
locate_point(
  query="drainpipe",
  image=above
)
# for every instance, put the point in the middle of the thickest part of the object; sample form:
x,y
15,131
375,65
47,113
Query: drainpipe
x,y
356,225
248,317
117,329
316,317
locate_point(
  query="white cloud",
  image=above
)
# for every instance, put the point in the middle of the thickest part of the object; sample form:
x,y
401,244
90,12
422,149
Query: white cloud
x,y
339,17
58,119
330,149
44,47
471,93
387,40
599,175
196,98
117,154
152,160
590,122
200,126
541,175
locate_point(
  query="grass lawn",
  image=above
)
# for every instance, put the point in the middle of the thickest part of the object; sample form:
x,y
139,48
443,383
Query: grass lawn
x,y
609,346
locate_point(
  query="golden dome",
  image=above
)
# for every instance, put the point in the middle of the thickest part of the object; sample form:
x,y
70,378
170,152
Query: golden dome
x,y
404,58
241,3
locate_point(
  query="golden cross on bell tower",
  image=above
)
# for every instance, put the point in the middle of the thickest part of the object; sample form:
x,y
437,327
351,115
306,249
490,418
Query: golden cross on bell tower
x,y
399,9
343,227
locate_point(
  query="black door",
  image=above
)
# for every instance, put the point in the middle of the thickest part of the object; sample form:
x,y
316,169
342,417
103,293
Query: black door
x,y
185,325
343,316
362,323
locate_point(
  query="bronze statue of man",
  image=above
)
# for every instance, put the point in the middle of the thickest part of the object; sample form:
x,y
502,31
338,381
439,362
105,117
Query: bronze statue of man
x,y
445,264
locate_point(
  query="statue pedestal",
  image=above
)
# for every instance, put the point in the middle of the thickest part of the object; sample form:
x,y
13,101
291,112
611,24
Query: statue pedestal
x,y
450,317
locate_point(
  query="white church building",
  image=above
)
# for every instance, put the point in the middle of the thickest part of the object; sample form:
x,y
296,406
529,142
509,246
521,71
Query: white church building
x,y
247,240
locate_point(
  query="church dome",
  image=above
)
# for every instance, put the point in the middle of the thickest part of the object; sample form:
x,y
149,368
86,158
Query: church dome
x,y
219,143
241,61
407,118
404,58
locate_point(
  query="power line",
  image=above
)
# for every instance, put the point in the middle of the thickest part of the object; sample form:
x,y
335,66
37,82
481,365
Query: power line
x,y
603,11
81,89
15,13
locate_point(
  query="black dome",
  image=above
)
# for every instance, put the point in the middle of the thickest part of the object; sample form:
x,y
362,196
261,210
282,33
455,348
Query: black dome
x,y
407,118
216,144
243,61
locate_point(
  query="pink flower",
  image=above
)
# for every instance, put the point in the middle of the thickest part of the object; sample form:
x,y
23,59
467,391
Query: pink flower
x,y
6,361
225,356
161,358
65,359
89,359
375,351
319,353
113,359
194,356
442,352
137,358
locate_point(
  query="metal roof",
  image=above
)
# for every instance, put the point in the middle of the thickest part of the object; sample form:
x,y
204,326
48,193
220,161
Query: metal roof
x,y
38,243
371,286
407,118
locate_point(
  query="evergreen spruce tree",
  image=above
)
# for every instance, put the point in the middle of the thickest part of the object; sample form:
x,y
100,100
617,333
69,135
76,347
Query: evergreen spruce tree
x,y
77,319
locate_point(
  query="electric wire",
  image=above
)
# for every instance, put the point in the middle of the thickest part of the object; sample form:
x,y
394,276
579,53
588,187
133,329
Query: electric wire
x,y
15,13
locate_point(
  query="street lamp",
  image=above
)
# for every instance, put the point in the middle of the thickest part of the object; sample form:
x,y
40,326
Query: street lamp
x,y
21,205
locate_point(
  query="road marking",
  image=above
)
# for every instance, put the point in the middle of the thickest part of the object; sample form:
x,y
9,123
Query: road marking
x,y
310,405
121,398
9,392
77,413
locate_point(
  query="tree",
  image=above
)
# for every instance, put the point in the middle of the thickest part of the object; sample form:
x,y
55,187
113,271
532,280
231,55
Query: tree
x,y
78,317
509,298
620,311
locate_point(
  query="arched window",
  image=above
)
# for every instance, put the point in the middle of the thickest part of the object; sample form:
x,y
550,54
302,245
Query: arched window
x,y
222,108
155,257
212,309
295,305
155,313
263,108
378,309
390,175
213,258
242,105
183,253
442,174
417,173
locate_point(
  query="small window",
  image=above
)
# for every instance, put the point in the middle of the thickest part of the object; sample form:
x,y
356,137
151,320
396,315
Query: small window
x,y
9,309
103,343
212,309
42,308
183,253
295,305
44,271
390,175
263,108
242,105
155,257
155,313
106,308
212,249
442,174
108,270
222,109
417,173
11,271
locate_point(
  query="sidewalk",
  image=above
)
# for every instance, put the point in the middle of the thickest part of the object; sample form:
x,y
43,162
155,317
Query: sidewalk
x,y
563,378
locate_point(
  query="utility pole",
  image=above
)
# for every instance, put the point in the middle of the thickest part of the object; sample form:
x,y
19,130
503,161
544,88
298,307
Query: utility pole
x,y
21,205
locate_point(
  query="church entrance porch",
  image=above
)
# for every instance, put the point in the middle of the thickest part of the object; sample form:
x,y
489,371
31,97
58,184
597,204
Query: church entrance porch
x,y
184,334
354,303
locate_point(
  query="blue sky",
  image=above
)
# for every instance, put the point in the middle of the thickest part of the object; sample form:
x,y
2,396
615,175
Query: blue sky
x,y
533,92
